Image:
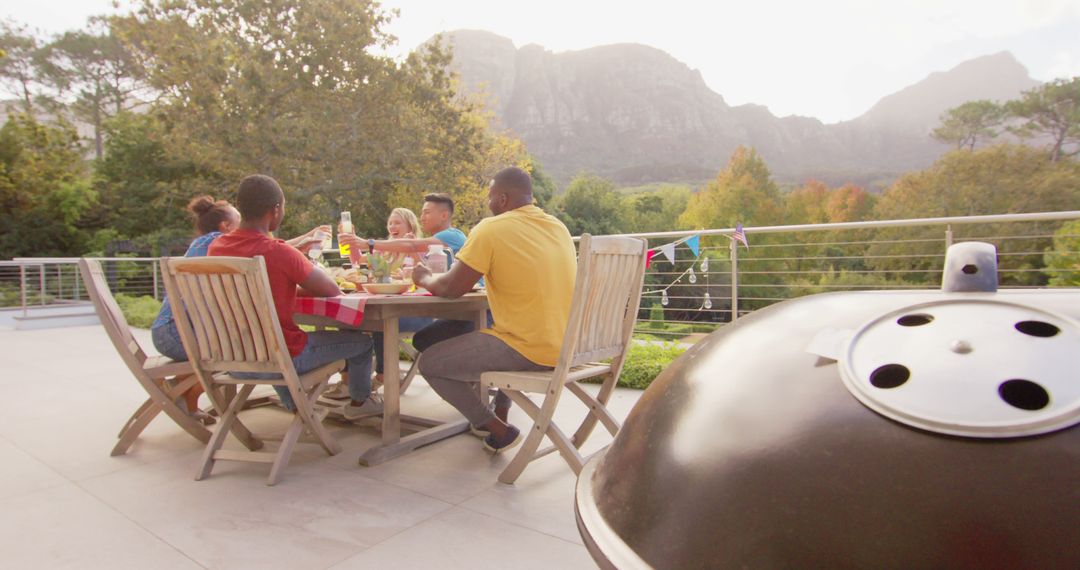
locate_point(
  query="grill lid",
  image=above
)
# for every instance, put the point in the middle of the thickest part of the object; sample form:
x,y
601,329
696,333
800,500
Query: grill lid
x,y
969,367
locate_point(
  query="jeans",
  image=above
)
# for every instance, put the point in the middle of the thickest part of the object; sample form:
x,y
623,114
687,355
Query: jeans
x,y
405,324
167,341
324,347
453,366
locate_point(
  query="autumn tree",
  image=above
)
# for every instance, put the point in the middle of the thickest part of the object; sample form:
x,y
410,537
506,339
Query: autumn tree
x,y
995,180
807,204
970,123
1051,110
743,192
850,203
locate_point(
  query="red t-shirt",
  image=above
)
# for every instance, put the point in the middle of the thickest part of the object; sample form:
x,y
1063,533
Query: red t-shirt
x,y
286,267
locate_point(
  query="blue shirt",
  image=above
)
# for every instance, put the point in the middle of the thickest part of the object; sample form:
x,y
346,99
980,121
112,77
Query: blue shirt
x,y
197,248
452,237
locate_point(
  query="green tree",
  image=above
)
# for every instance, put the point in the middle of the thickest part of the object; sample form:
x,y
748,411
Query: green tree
x,y
590,204
142,187
654,211
970,123
44,190
1051,110
294,89
19,51
96,70
544,189
743,192
1063,258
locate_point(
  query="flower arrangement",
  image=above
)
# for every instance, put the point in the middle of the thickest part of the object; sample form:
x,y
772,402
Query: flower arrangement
x,y
380,268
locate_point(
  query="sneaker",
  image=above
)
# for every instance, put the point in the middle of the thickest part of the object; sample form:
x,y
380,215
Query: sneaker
x,y
513,437
339,391
372,406
479,431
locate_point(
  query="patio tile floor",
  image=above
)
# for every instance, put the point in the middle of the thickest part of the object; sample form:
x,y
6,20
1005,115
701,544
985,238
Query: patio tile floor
x,y
68,504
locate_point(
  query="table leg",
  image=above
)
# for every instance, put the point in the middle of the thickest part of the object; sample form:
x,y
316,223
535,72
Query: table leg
x,y
391,427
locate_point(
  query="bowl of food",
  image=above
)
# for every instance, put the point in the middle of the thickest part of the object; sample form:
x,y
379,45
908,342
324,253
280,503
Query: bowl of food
x,y
386,288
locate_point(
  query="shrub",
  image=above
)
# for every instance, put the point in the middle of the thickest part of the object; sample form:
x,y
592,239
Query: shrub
x,y
140,312
644,362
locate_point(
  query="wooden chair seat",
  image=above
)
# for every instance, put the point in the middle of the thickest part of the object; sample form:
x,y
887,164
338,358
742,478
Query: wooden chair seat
x,y
607,295
538,382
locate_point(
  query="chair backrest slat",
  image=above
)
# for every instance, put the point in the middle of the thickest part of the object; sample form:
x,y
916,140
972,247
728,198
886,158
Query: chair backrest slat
x,y
267,318
109,313
217,320
258,339
205,335
239,319
607,293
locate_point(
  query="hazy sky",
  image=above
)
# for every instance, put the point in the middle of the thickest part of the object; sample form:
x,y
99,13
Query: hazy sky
x,y
830,59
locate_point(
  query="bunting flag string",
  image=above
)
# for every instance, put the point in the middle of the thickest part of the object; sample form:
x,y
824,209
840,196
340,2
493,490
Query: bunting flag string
x,y
693,242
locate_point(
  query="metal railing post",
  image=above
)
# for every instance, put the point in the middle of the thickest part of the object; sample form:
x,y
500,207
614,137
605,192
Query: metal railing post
x,y
41,284
77,294
734,280
948,236
22,288
154,269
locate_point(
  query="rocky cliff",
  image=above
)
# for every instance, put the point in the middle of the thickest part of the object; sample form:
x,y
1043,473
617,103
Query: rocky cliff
x,y
635,114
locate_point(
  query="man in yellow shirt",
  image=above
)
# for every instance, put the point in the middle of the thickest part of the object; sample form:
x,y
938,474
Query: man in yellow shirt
x,y
527,260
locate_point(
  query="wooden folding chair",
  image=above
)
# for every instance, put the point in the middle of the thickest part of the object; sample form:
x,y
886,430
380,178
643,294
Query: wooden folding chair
x,y
163,379
607,293
230,326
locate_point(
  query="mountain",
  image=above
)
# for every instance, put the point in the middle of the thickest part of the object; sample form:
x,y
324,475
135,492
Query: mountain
x,y
635,114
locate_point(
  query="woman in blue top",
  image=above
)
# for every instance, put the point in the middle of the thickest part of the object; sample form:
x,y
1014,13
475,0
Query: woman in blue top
x,y
212,218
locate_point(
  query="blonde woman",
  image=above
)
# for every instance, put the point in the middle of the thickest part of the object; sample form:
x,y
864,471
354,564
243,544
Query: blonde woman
x,y
402,223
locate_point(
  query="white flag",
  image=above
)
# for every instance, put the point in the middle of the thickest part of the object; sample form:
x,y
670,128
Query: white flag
x,y
669,252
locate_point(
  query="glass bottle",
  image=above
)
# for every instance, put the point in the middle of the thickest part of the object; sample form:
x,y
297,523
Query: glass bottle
x,y
345,227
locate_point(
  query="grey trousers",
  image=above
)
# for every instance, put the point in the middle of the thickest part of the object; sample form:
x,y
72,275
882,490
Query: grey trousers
x,y
452,368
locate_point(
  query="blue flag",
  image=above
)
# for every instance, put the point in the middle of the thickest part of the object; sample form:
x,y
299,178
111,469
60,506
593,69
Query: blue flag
x,y
694,244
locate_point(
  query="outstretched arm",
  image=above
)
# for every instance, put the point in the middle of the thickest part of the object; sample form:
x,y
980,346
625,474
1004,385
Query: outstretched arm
x,y
452,284
414,245
304,242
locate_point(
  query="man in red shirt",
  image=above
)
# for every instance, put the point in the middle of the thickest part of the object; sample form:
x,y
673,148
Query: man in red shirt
x,y
262,208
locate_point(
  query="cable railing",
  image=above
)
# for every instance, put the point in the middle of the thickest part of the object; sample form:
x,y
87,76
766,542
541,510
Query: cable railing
x,y
685,298
690,296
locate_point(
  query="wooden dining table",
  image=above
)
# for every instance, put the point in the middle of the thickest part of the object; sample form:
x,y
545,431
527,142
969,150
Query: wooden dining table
x,y
381,313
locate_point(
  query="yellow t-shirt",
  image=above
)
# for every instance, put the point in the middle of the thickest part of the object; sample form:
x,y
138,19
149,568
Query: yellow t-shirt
x,y
529,267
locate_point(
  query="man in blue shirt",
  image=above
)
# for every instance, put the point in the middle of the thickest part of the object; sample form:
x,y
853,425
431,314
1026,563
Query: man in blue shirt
x,y
435,221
